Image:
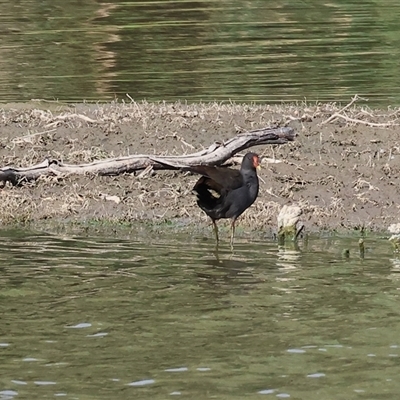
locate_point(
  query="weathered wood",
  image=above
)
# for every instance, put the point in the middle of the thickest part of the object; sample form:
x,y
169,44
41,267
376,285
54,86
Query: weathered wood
x,y
216,154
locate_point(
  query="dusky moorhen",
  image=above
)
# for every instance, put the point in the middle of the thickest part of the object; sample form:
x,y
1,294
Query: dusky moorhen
x,y
225,192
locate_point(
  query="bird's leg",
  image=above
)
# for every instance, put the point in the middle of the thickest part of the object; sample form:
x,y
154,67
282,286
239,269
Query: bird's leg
x,y
232,232
216,252
215,231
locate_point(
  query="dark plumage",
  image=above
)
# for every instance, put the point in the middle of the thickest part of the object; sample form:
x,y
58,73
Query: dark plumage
x,y
225,192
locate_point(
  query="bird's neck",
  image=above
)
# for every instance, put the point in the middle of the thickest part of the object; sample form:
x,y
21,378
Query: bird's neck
x,y
249,175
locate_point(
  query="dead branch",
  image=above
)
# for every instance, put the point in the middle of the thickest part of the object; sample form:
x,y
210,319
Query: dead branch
x,y
216,154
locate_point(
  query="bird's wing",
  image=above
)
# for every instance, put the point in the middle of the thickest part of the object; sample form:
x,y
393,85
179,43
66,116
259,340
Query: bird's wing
x,y
208,184
224,178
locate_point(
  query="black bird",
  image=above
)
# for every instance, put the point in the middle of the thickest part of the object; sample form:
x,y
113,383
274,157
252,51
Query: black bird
x,y
225,192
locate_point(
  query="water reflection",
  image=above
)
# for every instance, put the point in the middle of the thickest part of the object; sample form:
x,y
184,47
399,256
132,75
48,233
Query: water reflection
x,y
87,316
205,50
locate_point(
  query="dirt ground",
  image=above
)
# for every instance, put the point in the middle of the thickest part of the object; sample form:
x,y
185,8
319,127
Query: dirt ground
x,y
343,171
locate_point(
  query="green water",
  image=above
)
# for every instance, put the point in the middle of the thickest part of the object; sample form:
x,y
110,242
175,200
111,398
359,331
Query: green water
x,y
263,51
152,316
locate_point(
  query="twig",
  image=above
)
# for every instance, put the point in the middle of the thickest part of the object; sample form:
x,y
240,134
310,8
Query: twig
x,y
355,120
148,170
338,114
67,116
21,139
360,121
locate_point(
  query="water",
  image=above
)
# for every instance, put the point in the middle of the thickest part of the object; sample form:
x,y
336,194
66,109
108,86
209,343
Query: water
x,y
254,51
153,316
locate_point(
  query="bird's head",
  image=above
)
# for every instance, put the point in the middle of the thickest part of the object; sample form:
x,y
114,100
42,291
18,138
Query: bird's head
x,y
250,161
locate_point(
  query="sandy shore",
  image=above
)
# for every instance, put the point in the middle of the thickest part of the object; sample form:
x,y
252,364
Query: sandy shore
x,y
342,171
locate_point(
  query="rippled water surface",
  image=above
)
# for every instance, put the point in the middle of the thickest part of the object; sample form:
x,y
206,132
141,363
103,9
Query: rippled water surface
x,y
264,51
151,316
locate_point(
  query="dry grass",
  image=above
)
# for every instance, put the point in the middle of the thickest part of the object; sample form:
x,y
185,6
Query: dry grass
x,y
112,115
15,207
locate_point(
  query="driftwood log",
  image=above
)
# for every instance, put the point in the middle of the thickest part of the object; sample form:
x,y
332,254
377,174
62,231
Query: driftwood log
x,y
216,154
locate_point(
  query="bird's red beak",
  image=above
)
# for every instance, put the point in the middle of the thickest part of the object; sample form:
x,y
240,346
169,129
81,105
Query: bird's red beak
x,y
256,162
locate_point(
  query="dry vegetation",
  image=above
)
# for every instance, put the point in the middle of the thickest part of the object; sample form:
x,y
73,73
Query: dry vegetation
x,y
342,169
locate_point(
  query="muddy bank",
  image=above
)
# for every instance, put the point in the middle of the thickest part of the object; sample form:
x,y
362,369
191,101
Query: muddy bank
x,y
342,171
